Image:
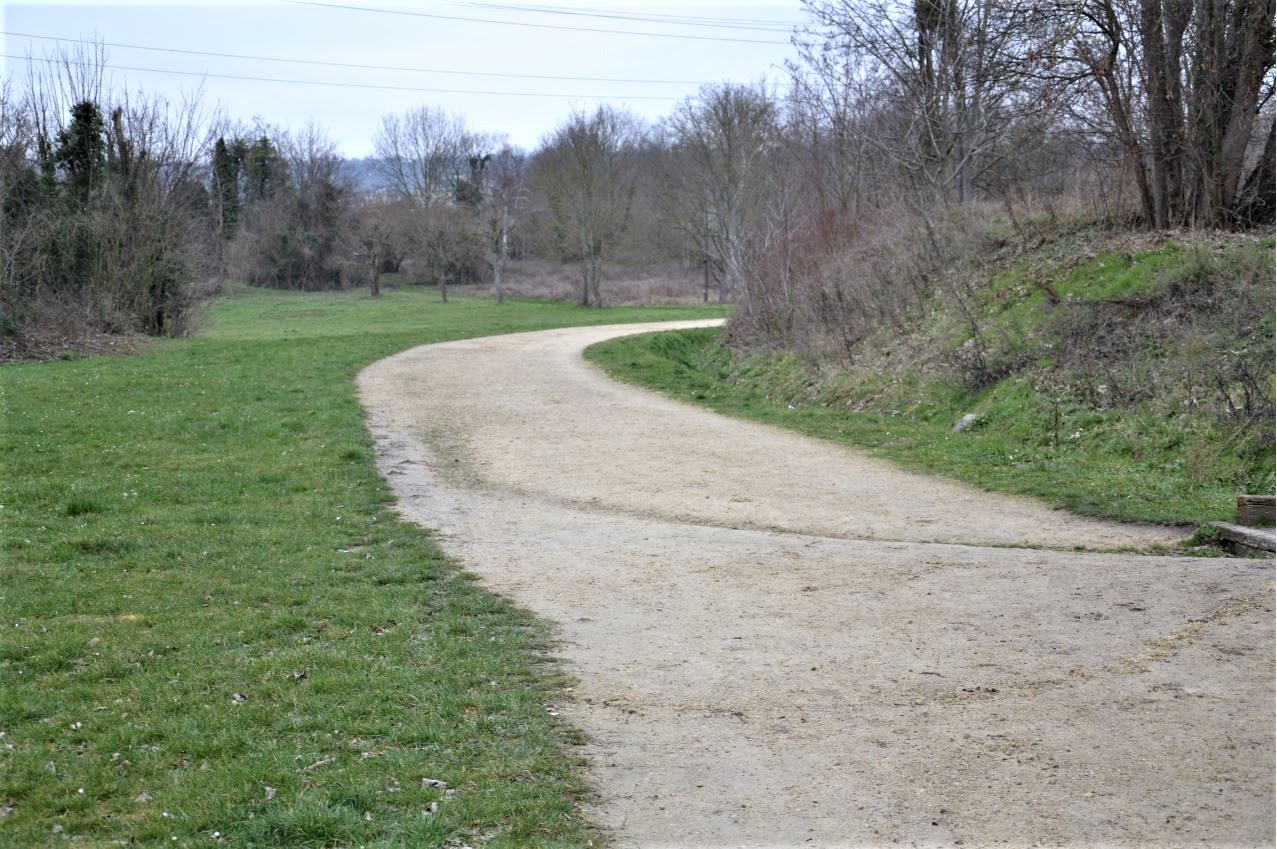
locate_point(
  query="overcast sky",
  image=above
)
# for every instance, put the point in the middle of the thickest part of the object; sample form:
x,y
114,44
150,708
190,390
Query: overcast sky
x,y
440,60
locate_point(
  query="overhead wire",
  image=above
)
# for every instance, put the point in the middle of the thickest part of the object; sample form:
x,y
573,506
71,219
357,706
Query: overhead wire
x,y
436,16
681,20
574,11
209,75
349,65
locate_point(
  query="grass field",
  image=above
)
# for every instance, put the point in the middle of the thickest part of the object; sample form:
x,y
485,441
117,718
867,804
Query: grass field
x,y
214,631
1130,428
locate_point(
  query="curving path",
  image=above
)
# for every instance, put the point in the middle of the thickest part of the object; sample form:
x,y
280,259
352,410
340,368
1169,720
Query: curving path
x,y
780,642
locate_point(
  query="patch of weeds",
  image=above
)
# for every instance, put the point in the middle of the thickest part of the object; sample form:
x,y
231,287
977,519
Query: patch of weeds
x,y
1206,541
81,505
102,545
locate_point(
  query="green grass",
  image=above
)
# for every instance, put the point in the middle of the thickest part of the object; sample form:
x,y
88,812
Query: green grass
x,y
1045,429
215,632
1111,275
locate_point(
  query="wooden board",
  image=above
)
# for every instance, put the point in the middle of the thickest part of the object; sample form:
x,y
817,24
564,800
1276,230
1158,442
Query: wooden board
x,y
1256,510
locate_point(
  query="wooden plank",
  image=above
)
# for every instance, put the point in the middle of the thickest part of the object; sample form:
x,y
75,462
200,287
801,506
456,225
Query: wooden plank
x,y
1242,540
1256,510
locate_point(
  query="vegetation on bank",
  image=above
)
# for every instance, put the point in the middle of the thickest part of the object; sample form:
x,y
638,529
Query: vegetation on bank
x,y
215,631
1125,377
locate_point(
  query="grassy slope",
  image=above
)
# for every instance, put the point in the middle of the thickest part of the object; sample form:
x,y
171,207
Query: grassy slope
x,y
1047,428
213,631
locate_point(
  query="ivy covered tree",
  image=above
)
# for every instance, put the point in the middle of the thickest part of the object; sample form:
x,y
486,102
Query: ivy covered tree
x,y
99,216
228,166
265,171
295,196
469,189
81,152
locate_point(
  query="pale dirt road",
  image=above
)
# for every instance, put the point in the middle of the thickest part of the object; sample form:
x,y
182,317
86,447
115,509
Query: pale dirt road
x,y
783,643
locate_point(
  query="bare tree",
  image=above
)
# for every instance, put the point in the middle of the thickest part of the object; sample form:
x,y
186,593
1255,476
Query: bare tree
x,y
426,158
1181,87
780,254
587,170
19,192
727,136
831,121
957,74
56,81
685,210
369,235
423,153
504,194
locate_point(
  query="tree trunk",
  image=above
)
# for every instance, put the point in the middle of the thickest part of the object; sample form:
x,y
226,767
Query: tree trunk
x,y
1234,54
1135,156
595,273
1161,122
1115,102
498,267
1257,201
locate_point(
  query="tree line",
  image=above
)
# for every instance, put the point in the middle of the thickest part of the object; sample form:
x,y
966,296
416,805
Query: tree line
x,y
830,197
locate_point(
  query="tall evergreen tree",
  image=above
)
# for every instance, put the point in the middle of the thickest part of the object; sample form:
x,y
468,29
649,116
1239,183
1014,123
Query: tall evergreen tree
x,y
81,151
228,163
264,170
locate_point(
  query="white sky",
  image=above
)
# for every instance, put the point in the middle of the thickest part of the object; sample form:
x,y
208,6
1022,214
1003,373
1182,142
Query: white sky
x,y
326,33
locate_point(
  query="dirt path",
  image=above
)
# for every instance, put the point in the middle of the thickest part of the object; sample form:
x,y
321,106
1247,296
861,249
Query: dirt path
x,y
783,643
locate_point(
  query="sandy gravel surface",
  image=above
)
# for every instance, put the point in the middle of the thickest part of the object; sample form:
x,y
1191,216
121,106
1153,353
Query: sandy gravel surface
x,y
784,643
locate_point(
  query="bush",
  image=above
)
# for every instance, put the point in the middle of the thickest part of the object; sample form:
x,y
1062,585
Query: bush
x,y
97,229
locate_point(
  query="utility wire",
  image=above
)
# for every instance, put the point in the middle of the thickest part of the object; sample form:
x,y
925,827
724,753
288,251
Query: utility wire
x,y
349,64
530,25
343,85
680,20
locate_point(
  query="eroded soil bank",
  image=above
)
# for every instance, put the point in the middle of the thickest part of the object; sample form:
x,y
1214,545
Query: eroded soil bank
x,y
783,643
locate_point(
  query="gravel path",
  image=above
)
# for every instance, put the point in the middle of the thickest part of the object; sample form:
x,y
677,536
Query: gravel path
x,y
780,642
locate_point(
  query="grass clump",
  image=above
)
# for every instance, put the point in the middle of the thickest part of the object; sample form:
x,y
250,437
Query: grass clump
x,y
1130,382
215,632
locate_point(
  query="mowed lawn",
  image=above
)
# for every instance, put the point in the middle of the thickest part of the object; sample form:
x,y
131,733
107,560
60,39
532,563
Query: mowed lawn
x,y
215,632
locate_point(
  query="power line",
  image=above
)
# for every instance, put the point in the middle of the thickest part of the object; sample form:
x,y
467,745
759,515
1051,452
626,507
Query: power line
x,y
659,17
680,20
346,85
349,64
531,25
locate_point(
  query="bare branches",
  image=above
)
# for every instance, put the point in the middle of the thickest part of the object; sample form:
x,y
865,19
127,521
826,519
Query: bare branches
x,y
727,138
1181,85
102,193
505,196
424,152
950,78
433,163
587,169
